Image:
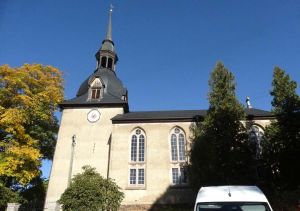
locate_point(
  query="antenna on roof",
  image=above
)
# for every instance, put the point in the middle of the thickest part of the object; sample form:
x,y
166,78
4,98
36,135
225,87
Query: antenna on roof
x,y
248,102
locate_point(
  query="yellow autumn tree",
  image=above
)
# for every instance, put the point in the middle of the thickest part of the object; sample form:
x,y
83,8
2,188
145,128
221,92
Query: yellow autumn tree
x,y
29,97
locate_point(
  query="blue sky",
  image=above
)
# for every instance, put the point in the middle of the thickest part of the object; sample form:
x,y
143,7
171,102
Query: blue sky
x,y
166,48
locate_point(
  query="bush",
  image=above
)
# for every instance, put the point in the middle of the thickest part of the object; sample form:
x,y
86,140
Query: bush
x,y
90,191
8,196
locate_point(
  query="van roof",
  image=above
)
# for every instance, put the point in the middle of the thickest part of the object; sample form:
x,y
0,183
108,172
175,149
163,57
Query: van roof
x,y
230,194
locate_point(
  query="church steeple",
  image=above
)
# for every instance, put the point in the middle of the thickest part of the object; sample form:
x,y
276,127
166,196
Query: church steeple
x,y
107,56
109,27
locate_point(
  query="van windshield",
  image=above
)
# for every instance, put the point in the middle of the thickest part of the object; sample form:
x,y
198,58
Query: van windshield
x,y
233,206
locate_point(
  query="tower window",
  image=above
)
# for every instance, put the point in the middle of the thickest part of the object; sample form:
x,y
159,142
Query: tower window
x,y
109,63
95,93
96,89
103,61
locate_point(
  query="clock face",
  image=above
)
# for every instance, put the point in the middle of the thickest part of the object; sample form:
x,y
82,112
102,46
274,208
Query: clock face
x,y
93,115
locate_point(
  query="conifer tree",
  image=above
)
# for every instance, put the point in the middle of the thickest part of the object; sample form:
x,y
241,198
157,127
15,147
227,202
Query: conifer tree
x,y
221,153
281,149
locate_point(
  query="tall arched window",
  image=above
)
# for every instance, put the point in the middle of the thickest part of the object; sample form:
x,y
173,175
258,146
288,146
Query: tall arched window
x,y
255,136
178,157
137,163
177,145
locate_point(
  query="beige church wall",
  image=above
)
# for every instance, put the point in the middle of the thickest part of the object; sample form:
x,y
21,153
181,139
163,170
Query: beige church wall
x,y
157,163
262,123
91,148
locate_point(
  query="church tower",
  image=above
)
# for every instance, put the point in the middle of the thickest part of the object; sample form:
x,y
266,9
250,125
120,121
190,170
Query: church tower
x,y
84,135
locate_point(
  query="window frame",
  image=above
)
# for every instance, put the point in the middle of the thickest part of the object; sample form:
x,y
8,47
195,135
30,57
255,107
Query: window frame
x,y
182,181
137,158
96,89
178,151
179,157
138,148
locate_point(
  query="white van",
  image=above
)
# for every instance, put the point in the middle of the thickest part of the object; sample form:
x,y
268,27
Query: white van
x,y
231,198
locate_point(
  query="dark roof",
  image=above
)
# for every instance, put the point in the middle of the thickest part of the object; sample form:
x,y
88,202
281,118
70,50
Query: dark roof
x,y
179,115
114,91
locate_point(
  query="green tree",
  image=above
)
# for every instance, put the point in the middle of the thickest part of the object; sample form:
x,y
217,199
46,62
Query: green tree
x,y
29,96
221,153
90,191
281,149
7,196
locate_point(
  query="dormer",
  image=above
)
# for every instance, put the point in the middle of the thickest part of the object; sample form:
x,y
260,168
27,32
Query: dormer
x,y
96,89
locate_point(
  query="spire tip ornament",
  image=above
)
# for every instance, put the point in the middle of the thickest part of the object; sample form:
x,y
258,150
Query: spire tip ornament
x,y
248,104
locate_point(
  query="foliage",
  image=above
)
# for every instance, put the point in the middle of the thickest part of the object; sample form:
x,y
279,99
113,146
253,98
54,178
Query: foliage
x,y
282,144
90,191
8,196
29,96
221,153
35,194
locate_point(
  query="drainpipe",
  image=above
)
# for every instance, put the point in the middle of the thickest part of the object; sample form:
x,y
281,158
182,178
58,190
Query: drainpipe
x,y
72,157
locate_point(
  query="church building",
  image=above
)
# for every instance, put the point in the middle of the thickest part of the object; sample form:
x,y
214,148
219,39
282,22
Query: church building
x,y
143,152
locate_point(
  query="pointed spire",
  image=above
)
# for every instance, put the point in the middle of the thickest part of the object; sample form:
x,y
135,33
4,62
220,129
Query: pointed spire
x,y
109,27
106,56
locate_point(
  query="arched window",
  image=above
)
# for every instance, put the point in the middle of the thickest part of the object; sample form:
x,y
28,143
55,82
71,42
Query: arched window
x,y
137,158
177,145
109,63
103,61
255,136
138,146
178,157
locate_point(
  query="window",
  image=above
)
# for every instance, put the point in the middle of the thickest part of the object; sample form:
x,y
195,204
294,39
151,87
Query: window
x,y
132,176
178,157
141,176
137,147
137,164
95,93
177,145
133,147
96,89
141,148
255,136
137,176
179,176
103,61
109,63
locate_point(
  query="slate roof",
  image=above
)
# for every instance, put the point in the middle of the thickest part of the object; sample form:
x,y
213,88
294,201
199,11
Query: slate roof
x,y
179,115
113,91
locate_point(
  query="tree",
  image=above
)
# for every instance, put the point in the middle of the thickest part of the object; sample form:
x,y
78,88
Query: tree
x,y
29,96
221,153
281,147
7,196
90,191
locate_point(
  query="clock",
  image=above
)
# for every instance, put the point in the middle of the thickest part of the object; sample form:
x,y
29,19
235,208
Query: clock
x,y
93,115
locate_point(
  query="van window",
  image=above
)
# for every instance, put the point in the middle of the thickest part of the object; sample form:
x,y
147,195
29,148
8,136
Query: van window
x,y
233,206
